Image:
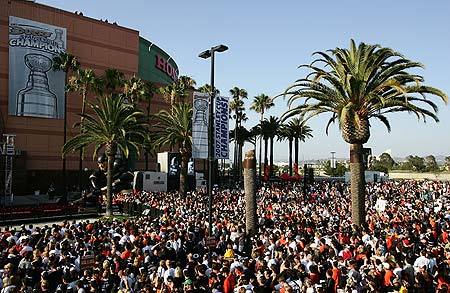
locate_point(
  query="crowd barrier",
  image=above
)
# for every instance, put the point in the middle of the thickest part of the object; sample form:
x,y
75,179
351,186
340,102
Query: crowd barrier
x,y
39,211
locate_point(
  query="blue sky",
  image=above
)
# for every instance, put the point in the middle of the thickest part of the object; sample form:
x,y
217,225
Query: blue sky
x,y
269,39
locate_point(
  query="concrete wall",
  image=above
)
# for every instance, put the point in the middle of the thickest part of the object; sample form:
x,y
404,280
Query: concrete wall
x,y
418,176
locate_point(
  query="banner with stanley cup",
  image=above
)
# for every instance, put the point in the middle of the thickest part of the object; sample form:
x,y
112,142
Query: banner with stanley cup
x,y
35,89
200,118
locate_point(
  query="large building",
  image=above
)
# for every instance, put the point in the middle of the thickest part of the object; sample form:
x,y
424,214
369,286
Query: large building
x,y
32,93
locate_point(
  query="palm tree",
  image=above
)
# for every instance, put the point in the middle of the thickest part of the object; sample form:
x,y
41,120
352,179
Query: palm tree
x,y
287,133
65,62
237,106
149,91
187,82
272,128
265,132
251,217
356,85
301,131
175,129
83,82
242,136
134,90
261,104
206,89
170,93
114,125
113,81
177,91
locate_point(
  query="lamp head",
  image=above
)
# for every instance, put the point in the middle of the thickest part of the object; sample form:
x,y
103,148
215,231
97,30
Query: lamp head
x,y
219,48
205,54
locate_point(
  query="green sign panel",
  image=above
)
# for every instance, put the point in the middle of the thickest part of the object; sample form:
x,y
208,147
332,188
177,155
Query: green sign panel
x,y
156,65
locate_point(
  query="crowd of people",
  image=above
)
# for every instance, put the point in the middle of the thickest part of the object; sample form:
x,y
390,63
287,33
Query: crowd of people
x,y
305,243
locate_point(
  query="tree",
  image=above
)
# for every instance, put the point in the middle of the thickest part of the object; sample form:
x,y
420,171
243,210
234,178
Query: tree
x,y
137,91
251,216
414,163
242,136
386,160
301,132
339,171
65,62
114,125
237,106
273,126
431,164
176,92
447,163
175,129
149,91
134,90
261,104
186,82
113,81
265,132
170,93
83,82
287,133
269,130
356,85
383,164
206,89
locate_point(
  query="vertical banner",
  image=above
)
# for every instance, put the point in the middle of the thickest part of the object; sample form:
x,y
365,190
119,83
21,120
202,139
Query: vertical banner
x,y
221,120
200,126
35,89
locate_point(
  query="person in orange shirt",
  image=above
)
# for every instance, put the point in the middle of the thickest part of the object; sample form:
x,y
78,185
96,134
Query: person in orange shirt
x,y
230,281
126,253
336,274
388,275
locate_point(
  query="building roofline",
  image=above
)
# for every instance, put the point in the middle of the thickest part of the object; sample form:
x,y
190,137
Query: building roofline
x,y
51,8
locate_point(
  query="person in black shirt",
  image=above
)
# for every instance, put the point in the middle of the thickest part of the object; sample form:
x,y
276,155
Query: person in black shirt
x,y
330,286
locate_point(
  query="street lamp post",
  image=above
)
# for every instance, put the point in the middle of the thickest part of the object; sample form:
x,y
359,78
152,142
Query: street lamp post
x,y
205,55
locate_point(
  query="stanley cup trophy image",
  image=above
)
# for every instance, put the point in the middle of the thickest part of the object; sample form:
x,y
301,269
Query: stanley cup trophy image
x,y
36,99
200,128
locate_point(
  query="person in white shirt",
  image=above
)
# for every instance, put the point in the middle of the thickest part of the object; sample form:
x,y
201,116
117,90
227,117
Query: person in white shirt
x,y
421,261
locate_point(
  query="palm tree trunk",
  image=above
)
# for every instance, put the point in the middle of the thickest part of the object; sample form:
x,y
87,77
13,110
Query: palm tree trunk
x,y
80,159
290,157
241,145
260,144
64,171
251,218
235,158
357,184
148,122
296,153
271,157
183,173
266,159
109,184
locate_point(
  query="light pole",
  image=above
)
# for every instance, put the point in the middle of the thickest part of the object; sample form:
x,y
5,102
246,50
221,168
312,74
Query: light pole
x,y
205,55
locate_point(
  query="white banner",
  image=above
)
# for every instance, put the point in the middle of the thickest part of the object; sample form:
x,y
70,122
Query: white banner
x,y
155,181
35,89
221,121
200,126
